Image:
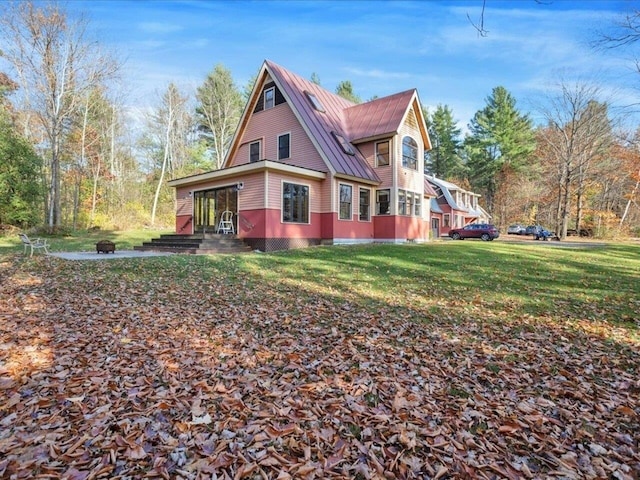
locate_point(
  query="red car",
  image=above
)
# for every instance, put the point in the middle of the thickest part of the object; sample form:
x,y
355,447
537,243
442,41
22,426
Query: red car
x,y
483,231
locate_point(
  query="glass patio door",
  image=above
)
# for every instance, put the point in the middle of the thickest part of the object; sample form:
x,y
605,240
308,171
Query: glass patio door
x,y
208,206
204,206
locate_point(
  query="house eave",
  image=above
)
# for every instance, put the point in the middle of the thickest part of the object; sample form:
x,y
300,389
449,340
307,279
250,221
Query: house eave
x,y
262,165
351,178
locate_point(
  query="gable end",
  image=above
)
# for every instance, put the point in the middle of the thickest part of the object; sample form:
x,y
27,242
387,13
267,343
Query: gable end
x,y
279,98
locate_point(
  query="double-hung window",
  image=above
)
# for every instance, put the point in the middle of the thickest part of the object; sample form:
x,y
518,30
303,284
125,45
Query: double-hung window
x,y
254,152
417,205
346,199
402,202
382,153
409,203
365,195
383,202
269,98
409,153
295,203
284,146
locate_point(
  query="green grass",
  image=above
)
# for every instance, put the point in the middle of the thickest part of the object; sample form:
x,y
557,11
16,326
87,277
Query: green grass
x,y
83,240
457,281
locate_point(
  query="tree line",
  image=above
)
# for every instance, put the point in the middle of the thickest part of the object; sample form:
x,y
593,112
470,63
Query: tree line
x,y
70,159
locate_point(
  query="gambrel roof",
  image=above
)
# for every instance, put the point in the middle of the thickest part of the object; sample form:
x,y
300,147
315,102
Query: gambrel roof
x,y
333,118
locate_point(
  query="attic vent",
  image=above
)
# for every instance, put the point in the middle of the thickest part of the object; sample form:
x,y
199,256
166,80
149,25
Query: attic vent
x,y
314,101
346,146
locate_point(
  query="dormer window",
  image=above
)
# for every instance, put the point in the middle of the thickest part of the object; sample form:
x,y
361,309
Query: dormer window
x,y
269,97
346,146
314,101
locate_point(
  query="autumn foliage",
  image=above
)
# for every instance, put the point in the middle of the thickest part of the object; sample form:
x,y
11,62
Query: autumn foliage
x,y
303,366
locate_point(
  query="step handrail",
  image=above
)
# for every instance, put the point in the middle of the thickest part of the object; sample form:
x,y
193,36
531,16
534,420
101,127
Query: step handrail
x,y
189,220
246,223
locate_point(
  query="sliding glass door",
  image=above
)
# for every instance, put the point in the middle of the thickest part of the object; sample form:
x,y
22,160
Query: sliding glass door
x,y
208,206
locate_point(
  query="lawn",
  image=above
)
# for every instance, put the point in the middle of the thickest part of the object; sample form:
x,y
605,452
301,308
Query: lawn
x,y
447,360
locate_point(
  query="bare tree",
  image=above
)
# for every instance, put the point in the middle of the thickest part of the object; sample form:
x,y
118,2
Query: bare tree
x,y
55,65
578,133
171,132
219,109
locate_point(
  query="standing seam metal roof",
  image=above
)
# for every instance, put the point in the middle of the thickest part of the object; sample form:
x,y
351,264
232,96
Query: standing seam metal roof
x,y
352,121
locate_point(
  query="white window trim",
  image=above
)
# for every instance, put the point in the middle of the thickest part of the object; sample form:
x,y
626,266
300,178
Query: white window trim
x,y
259,142
375,153
360,189
391,207
278,146
264,99
295,182
417,169
350,219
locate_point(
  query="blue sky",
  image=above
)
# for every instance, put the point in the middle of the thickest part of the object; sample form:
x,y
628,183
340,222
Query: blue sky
x,y
382,47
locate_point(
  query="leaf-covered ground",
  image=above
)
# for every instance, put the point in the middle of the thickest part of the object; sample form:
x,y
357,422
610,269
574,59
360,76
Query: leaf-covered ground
x,y
295,366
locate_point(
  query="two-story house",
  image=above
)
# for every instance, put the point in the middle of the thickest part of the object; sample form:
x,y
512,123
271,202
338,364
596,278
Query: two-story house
x,y
453,207
308,167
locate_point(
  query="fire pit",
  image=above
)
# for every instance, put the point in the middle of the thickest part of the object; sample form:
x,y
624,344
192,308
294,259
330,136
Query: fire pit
x,y
105,246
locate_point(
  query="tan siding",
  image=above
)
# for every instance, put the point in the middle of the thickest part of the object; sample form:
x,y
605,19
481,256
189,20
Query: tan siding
x,y
326,195
410,179
266,126
412,120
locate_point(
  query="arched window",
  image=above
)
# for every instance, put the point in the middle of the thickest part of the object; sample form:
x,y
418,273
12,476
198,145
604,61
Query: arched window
x,y
409,153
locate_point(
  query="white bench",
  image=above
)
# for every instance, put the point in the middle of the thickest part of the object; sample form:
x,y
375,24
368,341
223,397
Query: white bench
x,y
37,244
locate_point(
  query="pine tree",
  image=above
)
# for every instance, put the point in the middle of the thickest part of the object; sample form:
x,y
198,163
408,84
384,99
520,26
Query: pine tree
x,y
443,160
501,140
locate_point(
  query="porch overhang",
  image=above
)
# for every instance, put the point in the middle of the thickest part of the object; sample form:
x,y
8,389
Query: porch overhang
x,y
261,166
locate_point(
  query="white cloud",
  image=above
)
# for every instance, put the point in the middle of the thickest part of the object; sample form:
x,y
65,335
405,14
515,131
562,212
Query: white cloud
x,y
159,27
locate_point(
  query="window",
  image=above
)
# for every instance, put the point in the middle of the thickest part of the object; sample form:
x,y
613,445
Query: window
x,y
269,97
346,192
417,205
283,146
254,152
446,220
409,203
382,153
346,146
402,202
409,153
364,204
383,202
295,203
314,101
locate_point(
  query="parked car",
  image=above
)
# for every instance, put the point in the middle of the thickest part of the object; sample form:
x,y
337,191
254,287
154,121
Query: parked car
x,y
531,229
483,231
542,233
516,229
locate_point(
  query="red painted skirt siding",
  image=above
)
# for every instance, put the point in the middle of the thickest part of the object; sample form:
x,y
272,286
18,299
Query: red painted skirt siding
x,y
267,223
184,224
392,227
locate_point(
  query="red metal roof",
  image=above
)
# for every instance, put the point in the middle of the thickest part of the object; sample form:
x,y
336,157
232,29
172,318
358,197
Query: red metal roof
x,y
378,117
319,125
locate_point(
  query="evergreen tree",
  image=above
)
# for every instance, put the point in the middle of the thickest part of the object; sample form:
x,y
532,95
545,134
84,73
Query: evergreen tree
x,y
345,90
21,191
501,140
443,160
